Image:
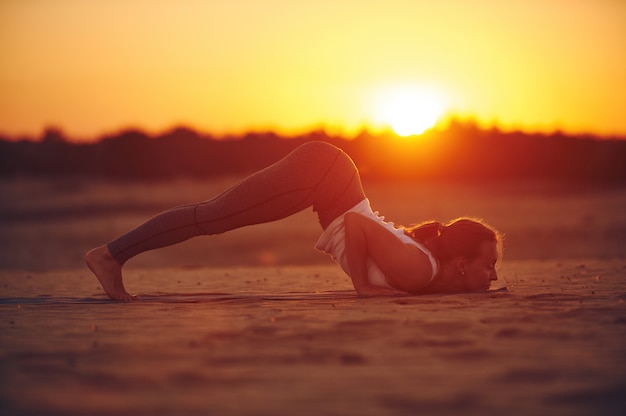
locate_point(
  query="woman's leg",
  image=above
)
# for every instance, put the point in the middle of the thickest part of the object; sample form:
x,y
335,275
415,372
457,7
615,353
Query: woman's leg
x,y
315,174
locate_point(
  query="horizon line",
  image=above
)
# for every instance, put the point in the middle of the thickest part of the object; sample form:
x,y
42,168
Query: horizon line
x,y
286,133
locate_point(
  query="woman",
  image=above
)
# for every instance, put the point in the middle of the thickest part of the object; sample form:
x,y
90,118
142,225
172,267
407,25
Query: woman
x,y
379,258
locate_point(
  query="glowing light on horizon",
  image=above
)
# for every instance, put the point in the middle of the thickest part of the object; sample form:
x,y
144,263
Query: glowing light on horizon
x,y
410,110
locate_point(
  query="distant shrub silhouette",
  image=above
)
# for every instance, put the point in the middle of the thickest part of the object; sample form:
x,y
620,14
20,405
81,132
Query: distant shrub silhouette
x,y
461,152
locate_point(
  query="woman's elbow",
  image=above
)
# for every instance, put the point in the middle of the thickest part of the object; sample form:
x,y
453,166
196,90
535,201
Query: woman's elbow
x,y
412,277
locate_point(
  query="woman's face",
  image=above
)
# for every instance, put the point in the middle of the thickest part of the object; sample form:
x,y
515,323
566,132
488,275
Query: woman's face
x,y
480,272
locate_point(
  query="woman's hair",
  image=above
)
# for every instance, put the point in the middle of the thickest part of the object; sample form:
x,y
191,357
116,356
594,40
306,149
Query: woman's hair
x,y
460,237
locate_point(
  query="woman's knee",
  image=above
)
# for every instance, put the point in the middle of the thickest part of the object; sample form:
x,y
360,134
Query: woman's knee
x,y
319,150
326,156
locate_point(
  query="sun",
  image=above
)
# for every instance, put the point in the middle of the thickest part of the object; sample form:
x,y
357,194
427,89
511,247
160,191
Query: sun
x,y
410,110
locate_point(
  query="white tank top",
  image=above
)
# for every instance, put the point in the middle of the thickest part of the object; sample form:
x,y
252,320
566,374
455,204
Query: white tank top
x,y
333,242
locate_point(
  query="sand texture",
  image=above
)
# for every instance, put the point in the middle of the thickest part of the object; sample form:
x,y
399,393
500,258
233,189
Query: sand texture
x,y
248,325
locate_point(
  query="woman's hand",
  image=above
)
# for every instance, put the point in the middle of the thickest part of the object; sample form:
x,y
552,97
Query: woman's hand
x,y
371,290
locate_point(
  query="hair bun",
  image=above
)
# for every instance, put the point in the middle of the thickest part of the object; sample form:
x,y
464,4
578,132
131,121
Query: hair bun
x,y
427,231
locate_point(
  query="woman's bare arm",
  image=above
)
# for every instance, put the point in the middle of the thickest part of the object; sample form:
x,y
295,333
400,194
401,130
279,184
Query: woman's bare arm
x,y
356,254
406,267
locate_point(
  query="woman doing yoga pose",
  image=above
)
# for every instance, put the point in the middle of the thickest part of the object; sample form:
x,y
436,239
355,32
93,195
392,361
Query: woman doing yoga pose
x,y
380,258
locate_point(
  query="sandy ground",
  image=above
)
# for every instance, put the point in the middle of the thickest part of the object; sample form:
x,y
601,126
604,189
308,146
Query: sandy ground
x,y
296,340
249,325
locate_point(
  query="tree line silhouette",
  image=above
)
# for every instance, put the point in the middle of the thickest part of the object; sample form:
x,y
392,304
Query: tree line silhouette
x,y
462,151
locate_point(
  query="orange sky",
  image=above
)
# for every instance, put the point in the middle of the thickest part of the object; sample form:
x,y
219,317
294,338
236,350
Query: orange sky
x,y
91,67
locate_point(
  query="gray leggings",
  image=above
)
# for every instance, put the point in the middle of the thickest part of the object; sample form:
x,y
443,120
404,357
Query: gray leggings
x,y
315,174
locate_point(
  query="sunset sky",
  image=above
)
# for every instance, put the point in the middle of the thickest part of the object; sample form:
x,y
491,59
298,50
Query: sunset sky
x,y
94,67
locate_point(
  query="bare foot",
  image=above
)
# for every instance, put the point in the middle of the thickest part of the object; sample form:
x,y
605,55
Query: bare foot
x,y
109,273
